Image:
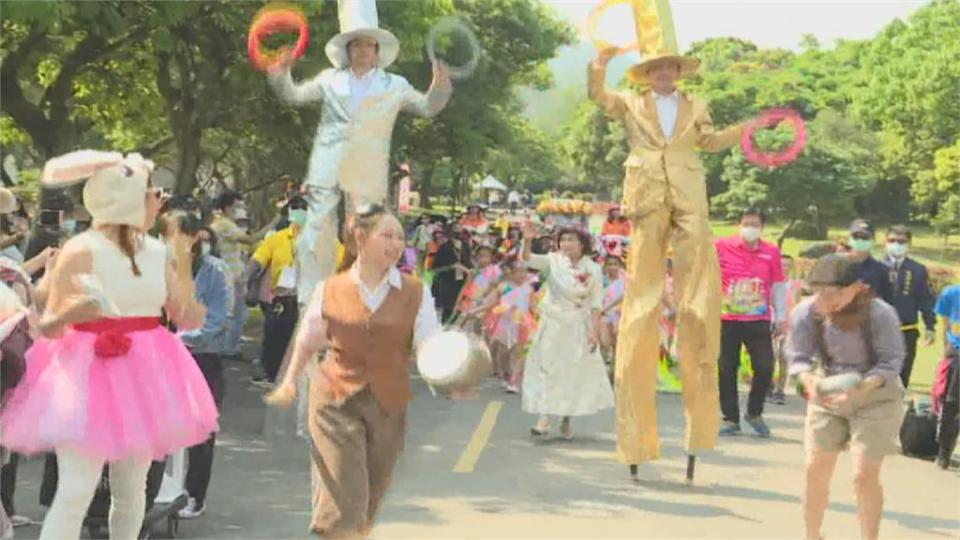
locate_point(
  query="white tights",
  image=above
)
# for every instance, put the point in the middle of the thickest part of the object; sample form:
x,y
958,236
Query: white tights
x,y
78,477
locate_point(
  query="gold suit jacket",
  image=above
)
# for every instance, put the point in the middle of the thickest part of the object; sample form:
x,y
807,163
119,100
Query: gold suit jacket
x,y
661,171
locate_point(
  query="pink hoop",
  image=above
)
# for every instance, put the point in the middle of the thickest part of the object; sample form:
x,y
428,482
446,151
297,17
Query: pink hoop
x,y
771,118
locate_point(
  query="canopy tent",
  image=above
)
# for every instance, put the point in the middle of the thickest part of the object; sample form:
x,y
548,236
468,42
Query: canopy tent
x,y
492,183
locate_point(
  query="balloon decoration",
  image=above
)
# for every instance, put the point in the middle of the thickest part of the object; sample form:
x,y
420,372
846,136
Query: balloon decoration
x,y
452,26
649,34
772,118
271,20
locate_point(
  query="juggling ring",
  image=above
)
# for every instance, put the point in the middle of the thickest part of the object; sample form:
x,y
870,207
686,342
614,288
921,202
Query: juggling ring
x,y
771,118
453,23
590,28
270,21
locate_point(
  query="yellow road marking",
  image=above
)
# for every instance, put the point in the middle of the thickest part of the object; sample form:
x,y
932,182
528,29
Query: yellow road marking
x,y
471,454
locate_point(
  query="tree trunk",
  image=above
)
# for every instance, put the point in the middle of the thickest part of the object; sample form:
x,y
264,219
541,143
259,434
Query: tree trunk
x,y
424,184
188,160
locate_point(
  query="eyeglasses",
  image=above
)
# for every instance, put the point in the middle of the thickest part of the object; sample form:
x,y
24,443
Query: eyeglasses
x,y
860,236
369,210
897,241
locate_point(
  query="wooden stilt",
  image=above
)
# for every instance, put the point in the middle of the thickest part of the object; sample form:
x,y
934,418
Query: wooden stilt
x,y
691,463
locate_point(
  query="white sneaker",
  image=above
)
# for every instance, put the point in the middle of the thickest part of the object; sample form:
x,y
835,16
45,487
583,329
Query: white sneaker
x,y
512,389
20,521
192,510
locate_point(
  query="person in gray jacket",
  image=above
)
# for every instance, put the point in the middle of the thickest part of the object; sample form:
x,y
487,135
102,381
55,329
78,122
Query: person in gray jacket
x,y
845,332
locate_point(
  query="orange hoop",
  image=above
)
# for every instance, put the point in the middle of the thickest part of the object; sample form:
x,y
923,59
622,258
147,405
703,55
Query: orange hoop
x,y
270,20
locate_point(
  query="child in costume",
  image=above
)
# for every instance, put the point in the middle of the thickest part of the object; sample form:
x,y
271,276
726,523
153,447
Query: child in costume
x,y
135,393
511,323
481,282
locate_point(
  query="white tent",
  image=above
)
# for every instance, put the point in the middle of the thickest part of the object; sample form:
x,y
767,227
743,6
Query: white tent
x,y
492,183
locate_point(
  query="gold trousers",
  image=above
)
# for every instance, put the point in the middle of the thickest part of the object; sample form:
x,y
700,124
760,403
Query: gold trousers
x,y
696,281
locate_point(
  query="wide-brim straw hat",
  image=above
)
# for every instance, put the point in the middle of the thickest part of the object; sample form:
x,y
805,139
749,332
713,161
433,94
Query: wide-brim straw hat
x,y
638,73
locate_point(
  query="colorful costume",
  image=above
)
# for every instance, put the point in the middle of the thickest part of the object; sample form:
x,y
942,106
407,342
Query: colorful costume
x,y
665,197
352,146
512,321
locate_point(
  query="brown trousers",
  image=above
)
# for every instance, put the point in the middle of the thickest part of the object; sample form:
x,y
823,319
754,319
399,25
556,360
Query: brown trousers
x,y
355,447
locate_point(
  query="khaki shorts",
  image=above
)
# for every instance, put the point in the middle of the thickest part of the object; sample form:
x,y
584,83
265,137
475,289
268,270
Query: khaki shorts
x,y
872,427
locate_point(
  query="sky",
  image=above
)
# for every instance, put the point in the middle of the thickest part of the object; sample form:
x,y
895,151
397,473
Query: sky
x,y
767,23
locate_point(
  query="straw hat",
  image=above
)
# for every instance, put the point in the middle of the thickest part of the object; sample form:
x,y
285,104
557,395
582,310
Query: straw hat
x,y
639,72
358,18
116,184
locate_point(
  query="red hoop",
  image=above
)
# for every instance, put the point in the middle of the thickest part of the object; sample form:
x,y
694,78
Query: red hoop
x,y
771,118
271,20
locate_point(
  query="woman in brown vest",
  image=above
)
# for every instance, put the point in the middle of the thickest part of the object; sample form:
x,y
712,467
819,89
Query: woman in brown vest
x,y
367,318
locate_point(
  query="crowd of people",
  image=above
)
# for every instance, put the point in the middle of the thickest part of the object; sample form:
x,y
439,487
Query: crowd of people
x,y
134,300
545,299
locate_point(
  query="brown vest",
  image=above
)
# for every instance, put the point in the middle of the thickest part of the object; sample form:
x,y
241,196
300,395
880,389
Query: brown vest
x,y
368,348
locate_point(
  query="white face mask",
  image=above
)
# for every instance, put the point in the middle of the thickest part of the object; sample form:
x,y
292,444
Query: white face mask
x,y
69,226
205,248
897,251
750,234
239,213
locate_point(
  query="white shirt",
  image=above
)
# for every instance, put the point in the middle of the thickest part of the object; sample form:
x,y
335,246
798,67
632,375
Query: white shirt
x,y
359,88
667,107
426,324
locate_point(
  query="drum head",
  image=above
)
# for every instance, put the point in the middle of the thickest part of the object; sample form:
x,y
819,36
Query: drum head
x,y
444,357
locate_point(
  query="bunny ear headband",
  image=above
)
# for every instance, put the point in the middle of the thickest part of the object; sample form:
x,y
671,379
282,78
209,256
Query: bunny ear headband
x,y
114,193
74,167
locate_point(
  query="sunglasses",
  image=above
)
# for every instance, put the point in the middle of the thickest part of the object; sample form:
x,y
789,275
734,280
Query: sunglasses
x,y
897,241
860,236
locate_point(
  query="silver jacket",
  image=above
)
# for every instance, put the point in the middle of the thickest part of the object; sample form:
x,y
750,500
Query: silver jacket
x,y
351,150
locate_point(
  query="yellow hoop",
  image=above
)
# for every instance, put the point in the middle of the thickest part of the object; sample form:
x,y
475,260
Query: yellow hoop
x,y
593,19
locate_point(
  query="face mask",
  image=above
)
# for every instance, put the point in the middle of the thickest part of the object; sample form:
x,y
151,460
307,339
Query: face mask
x,y
205,248
750,234
69,226
858,244
298,216
239,213
897,251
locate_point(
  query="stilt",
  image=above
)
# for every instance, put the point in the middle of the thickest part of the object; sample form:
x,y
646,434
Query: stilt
x,y
633,473
691,463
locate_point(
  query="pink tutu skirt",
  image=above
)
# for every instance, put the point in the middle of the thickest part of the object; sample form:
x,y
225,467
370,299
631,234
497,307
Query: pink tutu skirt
x,y
131,391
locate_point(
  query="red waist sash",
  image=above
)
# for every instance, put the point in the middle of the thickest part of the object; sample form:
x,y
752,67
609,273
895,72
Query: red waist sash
x,y
122,325
112,339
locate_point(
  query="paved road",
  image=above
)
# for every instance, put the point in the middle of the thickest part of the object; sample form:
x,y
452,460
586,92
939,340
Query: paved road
x,y
515,487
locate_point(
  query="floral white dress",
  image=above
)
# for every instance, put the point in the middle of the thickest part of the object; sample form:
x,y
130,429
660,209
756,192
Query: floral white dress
x,y
563,376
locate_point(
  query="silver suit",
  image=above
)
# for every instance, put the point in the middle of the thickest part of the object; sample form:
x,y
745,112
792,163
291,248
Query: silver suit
x,y
351,152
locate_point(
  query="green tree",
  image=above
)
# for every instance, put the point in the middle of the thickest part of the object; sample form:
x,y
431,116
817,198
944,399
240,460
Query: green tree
x,y
908,88
939,190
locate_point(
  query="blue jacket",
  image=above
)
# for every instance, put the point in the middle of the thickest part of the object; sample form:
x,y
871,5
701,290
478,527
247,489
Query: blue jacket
x,y
877,275
911,292
214,291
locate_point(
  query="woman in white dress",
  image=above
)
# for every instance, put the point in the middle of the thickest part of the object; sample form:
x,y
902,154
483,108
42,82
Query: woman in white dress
x,y
564,374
